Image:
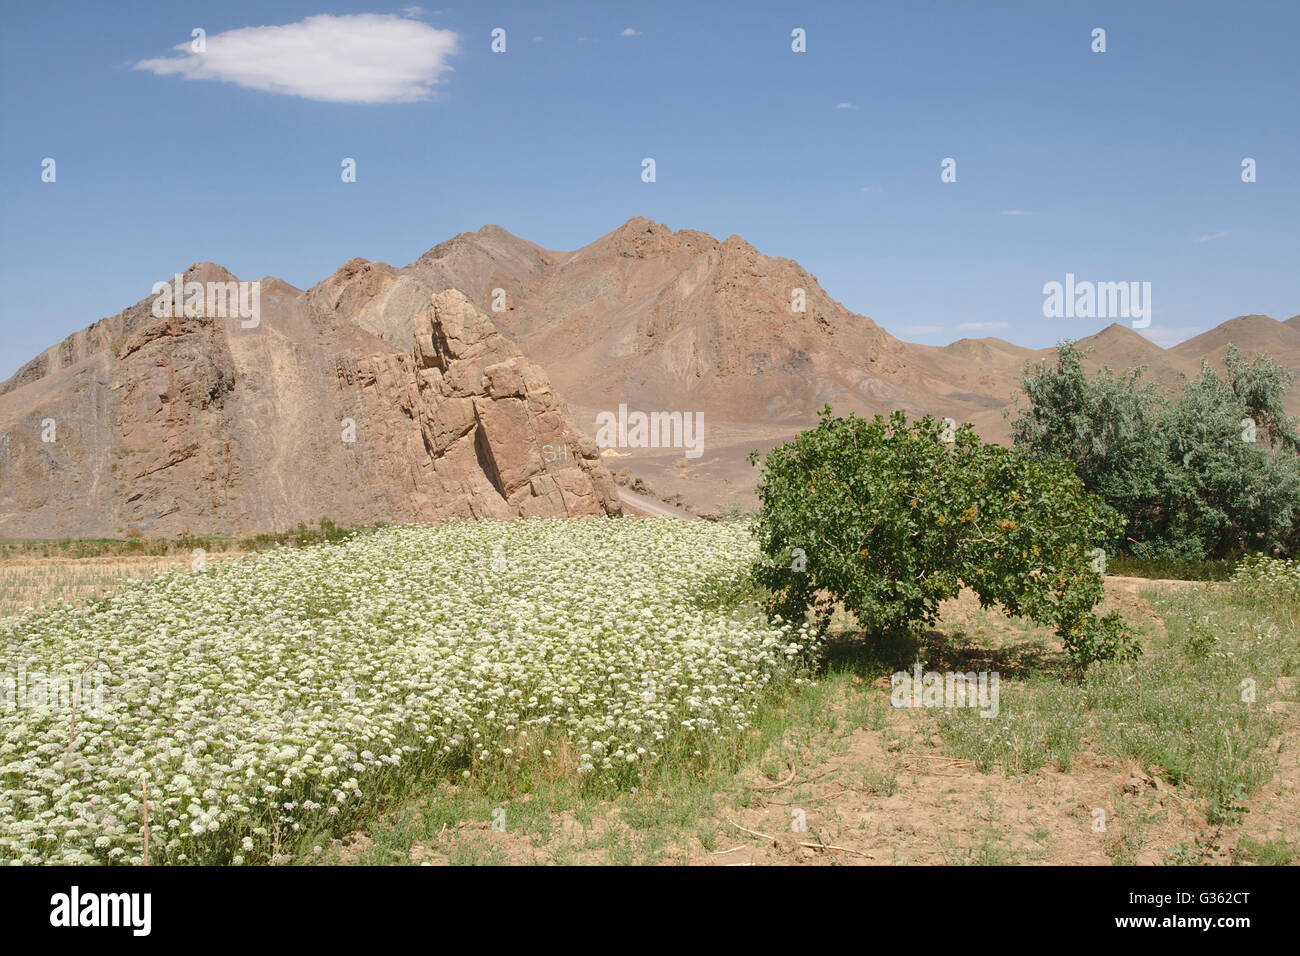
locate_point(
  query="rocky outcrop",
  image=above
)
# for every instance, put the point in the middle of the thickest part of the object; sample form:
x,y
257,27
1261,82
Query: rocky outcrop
x,y
204,426
495,438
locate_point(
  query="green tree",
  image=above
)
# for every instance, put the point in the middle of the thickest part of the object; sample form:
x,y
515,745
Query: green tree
x,y
1230,487
886,520
1212,474
1260,387
1103,426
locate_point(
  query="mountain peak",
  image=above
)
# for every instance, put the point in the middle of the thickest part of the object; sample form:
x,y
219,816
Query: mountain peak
x,y
1250,333
641,224
1116,332
737,242
642,238
208,272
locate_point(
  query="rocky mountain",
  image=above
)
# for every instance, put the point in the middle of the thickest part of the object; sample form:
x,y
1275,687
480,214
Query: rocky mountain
x,y
671,320
682,320
187,424
201,425
664,320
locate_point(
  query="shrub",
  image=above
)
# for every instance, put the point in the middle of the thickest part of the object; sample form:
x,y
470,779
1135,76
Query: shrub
x,y
1268,580
886,520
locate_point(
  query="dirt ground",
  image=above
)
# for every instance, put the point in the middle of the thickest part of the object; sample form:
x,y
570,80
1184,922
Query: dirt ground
x,y
719,480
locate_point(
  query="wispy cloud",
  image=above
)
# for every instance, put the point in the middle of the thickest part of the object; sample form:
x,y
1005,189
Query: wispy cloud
x,y
1014,212
366,58
629,32
980,326
1210,237
845,106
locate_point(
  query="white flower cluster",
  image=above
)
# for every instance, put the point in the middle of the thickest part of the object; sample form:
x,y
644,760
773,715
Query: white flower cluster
x,y
1264,574
267,698
1269,579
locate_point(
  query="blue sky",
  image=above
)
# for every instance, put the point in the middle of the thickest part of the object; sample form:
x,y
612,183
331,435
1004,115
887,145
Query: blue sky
x,y
1123,165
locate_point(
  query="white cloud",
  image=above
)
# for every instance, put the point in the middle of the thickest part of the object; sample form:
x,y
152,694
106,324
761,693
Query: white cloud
x,y
412,11
845,106
1167,335
367,58
629,32
1015,212
979,326
1210,237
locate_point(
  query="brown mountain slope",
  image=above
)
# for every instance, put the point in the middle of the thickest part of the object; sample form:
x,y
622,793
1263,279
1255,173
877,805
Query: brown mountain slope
x,y
203,426
682,321
1121,347
673,320
382,299
1251,334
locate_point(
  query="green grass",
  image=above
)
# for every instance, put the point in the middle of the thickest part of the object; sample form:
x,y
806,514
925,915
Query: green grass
x,y
1266,853
1039,724
676,802
1179,710
1133,839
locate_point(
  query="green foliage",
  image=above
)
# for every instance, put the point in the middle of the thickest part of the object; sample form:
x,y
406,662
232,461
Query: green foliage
x,y
886,520
1213,474
1103,426
1136,564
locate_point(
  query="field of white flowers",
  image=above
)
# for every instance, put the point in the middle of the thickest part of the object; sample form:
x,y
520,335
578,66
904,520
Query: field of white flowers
x,y
279,695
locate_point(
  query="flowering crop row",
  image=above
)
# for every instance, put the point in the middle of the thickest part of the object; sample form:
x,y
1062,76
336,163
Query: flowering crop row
x,y
265,698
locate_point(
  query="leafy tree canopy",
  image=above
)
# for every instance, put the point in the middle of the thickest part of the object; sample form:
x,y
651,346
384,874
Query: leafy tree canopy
x,y
886,519
1214,473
